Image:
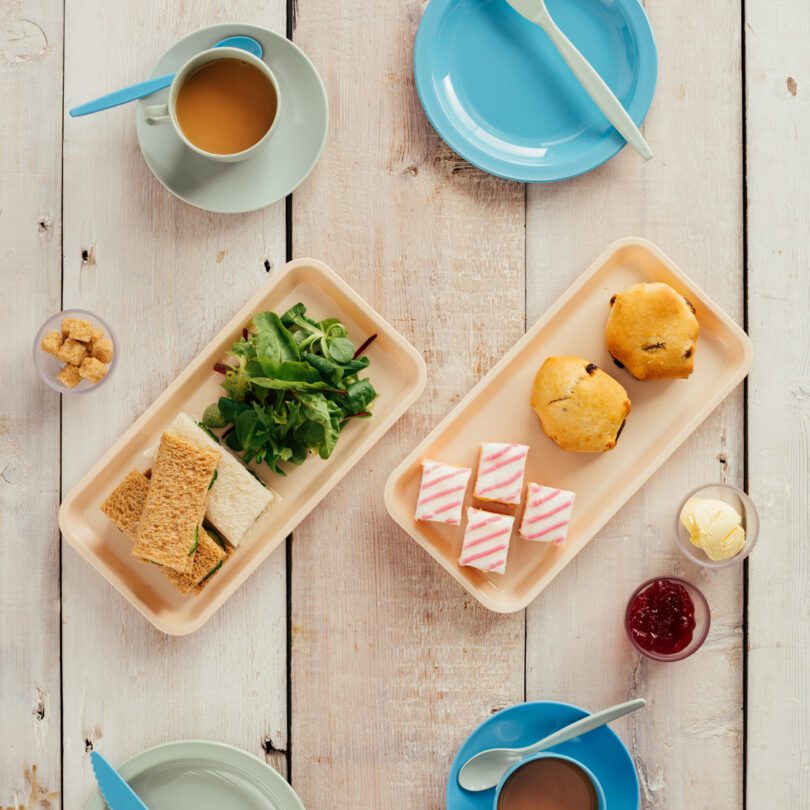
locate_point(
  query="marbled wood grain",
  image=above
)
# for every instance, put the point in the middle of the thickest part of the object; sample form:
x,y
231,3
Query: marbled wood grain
x,y
167,277
392,663
688,199
30,270
778,125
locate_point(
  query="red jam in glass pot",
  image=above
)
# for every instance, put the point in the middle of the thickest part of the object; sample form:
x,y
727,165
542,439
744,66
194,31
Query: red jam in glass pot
x,y
661,618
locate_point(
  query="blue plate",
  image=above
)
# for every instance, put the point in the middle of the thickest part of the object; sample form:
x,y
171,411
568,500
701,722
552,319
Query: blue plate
x,y
599,750
499,94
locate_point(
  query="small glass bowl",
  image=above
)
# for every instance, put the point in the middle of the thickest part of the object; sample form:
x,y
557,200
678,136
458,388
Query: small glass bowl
x,y
49,366
703,620
750,522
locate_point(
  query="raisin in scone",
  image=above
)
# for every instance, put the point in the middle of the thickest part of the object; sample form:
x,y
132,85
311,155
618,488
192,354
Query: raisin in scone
x,y
652,331
580,407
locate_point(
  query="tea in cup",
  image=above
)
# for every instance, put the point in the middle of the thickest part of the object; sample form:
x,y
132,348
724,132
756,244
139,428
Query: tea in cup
x,y
223,104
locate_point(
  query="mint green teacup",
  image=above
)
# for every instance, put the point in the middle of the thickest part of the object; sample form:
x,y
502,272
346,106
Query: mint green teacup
x,y
167,113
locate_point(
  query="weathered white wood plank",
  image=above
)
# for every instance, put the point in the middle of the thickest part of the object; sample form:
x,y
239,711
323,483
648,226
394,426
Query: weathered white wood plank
x,y
30,271
778,126
392,663
166,276
688,742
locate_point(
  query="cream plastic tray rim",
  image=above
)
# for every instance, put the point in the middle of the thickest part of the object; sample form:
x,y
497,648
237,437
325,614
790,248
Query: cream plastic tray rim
x,y
720,337
397,371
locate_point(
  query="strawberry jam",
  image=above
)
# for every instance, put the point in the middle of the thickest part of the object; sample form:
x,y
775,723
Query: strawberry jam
x,y
661,618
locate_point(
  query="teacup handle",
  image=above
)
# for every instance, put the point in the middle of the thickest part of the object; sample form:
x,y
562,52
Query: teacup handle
x,y
157,114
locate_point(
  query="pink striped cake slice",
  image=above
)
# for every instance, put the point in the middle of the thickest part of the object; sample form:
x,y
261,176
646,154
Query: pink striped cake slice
x,y
441,493
547,514
486,540
500,472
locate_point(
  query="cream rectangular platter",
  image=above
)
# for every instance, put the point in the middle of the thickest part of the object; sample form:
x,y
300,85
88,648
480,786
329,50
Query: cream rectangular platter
x,y
397,372
664,414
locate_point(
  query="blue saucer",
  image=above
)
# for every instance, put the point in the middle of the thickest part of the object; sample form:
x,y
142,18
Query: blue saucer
x,y
600,750
499,94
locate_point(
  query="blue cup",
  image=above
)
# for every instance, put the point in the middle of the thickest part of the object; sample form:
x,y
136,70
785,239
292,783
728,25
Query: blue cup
x,y
600,794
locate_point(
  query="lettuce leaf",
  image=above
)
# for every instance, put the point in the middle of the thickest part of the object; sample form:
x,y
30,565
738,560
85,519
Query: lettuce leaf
x,y
291,387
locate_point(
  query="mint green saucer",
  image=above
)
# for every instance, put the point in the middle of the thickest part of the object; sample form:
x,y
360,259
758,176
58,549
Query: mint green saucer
x,y
205,776
281,164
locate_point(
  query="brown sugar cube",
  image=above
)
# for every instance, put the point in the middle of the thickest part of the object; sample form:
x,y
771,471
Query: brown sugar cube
x,y
69,376
92,370
102,350
73,352
81,331
51,343
67,324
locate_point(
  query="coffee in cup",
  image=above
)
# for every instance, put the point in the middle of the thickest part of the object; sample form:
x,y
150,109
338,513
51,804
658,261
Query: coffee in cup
x,y
548,783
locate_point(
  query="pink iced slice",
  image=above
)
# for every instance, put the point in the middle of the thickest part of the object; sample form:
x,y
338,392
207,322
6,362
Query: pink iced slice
x,y
486,540
441,492
547,515
500,472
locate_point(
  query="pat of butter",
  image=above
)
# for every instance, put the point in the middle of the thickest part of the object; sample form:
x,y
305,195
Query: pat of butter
x,y
714,526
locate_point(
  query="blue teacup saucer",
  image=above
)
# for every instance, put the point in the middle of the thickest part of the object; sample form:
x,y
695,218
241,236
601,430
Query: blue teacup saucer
x,y
499,94
601,751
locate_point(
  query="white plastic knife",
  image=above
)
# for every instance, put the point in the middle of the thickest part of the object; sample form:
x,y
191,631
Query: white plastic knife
x,y
116,792
535,11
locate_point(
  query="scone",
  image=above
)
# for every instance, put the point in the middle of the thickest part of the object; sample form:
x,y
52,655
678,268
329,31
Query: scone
x,y
580,407
652,331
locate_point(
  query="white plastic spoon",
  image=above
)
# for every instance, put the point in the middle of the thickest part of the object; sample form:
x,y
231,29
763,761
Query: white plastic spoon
x,y
535,11
484,770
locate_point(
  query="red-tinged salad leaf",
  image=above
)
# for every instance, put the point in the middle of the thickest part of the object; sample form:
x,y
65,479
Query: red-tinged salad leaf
x,y
292,384
365,344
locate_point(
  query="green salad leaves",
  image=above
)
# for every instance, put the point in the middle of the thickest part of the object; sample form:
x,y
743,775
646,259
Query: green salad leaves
x,y
292,384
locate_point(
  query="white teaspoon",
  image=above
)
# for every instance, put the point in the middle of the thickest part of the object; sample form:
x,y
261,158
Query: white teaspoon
x,y
484,770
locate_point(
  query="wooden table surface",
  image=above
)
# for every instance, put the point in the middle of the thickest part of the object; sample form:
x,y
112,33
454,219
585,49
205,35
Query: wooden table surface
x,y
350,660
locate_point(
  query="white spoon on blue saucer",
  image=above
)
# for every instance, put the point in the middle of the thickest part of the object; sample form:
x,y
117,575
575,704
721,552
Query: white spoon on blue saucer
x,y
535,11
484,770
143,89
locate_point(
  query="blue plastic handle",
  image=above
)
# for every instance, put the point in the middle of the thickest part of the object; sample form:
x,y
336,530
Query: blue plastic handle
x,y
143,89
123,96
117,794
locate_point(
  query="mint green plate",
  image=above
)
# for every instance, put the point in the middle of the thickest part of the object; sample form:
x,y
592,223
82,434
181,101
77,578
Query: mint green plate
x,y
204,776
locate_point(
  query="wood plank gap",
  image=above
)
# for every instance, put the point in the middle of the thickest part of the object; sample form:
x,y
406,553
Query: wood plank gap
x,y
745,438
525,327
525,257
61,415
288,237
288,654
288,234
